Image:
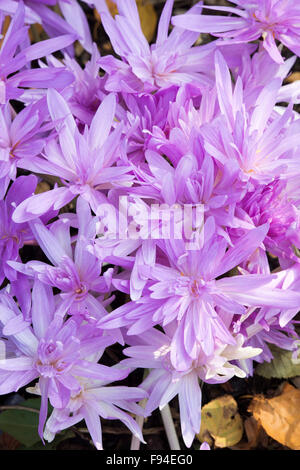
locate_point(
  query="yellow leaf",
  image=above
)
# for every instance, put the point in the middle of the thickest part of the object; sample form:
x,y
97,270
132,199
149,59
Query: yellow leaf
x,y
221,422
148,19
280,416
5,27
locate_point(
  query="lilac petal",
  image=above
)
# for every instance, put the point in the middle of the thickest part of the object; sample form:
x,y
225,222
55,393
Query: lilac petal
x,y
290,40
204,446
15,325
61,231
111,394
115,413
270,45
228,304
23,187
75,16
65,125
208,24
98,371
48,242
224,87
37,205
95,345
164,23
242,249
137,283
265,104
10,7
190,343
43,78
21,289
58,394
235,11
190,408
70,382
246,282
128,8
25,340
44,387
41,165
102,121
141,325
44,48
13,381
62,422
286,299
204,327
162,381
53,23
22,363
11,38
170,392
41,317
93,424
181,361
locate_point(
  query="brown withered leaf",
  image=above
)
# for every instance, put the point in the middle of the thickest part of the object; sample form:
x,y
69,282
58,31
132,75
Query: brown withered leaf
x,y
36,32
148,18
255,436
280,416
293,77
5,27
221,422
112,7
7,442
42,187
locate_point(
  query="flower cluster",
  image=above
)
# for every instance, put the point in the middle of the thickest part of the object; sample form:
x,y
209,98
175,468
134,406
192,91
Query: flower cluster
x,y
175,181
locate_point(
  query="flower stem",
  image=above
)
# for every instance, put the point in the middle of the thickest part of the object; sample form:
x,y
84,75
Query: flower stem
x,y
135,442
170,428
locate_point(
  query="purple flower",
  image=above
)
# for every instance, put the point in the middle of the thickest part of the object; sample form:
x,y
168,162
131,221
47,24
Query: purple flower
x,y
85,94
262,141
95,399
171,60
259,70
144,116
52,351
273,204
75,272
13,60
13,235
36,11
189,293
153,350
271,19
22,137
87,163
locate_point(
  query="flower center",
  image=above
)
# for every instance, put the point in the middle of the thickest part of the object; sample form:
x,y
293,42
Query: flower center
x,y
50,361
81,291
196,288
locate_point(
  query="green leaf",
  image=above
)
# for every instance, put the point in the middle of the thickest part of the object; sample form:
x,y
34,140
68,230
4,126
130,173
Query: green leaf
x,y
281,366
62,436
22,424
